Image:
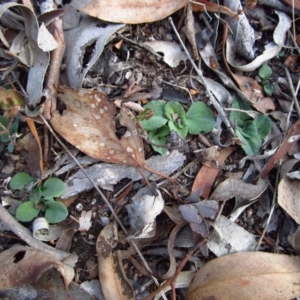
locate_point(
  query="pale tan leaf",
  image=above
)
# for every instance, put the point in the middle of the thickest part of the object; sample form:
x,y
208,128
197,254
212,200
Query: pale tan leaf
x,y
247,275
232,187
288,197
23,265
113,284
88,123
132,11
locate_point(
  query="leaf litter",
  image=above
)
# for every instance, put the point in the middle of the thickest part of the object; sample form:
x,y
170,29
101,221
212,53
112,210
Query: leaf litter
x,y
111,72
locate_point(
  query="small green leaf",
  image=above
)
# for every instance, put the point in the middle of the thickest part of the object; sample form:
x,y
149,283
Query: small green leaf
x,y
250,146
4,123
20,181
158,119
174,111
55,211
10,147
159,136
237,116
35,195
263,125
268,88
53,187
12,129
200,118
26,212
265,72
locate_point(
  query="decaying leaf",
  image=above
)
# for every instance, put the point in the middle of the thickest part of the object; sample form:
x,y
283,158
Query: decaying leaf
x,y
25,47
206,175
143,210
233,187
114,284
172,51
294,240
288,197
132,11
247,275
78,41
242,31
85,220
45,39
271,49
24,265
88,124
229,237
106,175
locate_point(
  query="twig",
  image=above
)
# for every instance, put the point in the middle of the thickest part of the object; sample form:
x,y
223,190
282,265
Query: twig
x,y
292,91
53,78
202,79
24,234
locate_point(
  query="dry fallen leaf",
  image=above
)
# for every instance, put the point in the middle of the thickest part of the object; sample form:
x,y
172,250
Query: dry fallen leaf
x,y
173,53
232,187
88,124
288,197
247,275
132,11
114,284
228,237
206,175
143,210
24,265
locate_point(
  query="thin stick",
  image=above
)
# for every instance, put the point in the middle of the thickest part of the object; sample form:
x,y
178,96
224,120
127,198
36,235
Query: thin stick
x,y
292,91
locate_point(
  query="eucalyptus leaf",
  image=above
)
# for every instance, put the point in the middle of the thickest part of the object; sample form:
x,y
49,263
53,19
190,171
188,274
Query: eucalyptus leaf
x,y
158,119
200,118
53,187
20,181
55,212
26,212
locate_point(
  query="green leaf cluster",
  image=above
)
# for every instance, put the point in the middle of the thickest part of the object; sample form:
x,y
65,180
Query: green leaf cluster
x,y
265,72
251,132
168,116
8,128
41,198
